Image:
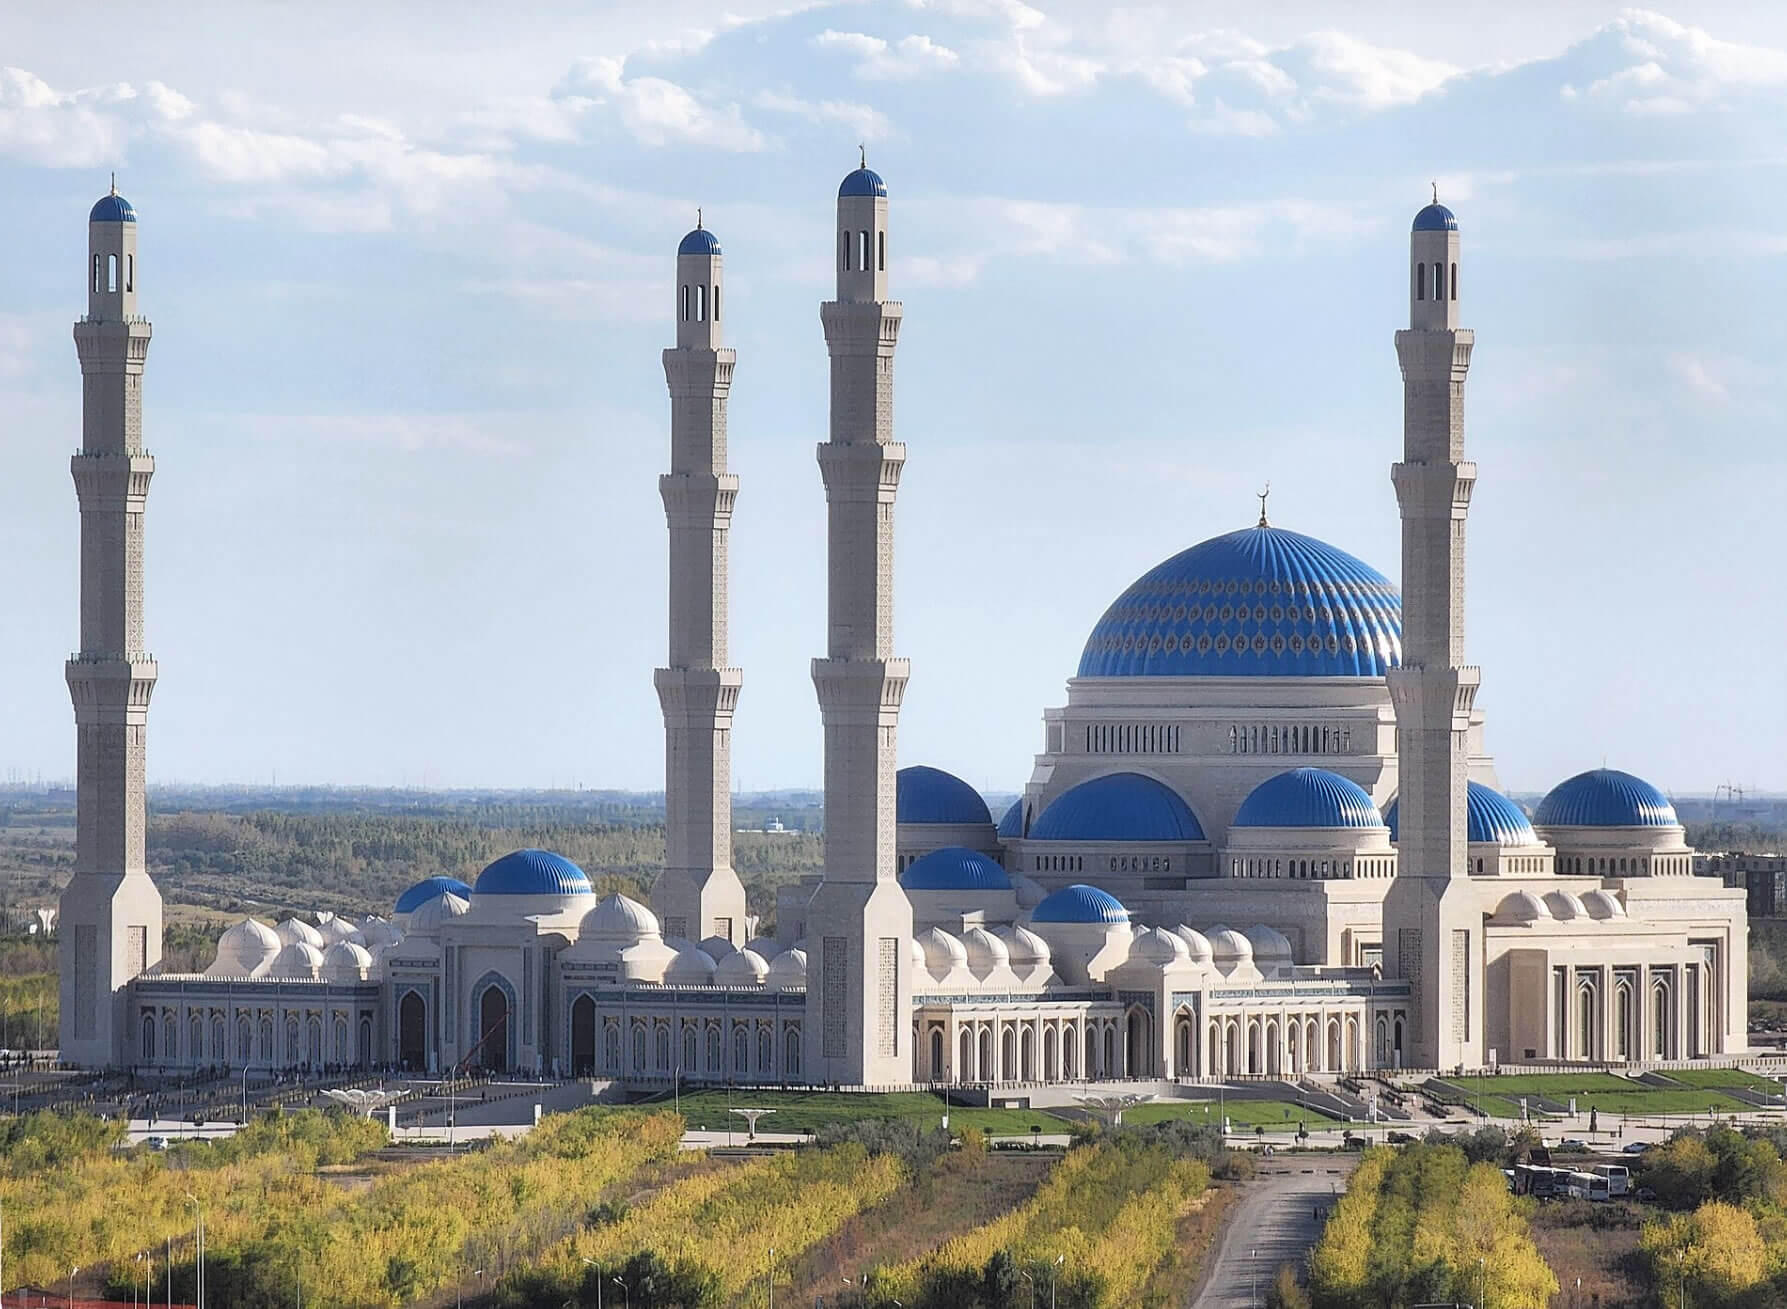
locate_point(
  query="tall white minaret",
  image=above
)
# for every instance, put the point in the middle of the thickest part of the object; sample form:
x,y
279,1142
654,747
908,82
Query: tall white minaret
x,y
858,1027
1433,927
110,917
698,895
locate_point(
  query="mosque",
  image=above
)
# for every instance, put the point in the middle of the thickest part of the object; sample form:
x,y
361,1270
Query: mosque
x,y
1264,834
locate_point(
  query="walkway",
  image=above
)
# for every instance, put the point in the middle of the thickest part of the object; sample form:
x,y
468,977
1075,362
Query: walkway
x,y
1273,1224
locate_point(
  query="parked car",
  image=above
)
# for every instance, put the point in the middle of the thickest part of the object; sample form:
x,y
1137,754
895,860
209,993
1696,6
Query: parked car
x,y
157,1142
1635,1147
1573,1143
1400,1138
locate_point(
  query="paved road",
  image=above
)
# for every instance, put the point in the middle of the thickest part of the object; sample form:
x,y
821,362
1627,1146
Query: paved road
x,y
1272,1225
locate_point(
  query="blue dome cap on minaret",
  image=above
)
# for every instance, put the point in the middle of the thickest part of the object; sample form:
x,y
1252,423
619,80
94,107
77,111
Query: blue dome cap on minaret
x,y
1435,218
699,242
112,208
864,181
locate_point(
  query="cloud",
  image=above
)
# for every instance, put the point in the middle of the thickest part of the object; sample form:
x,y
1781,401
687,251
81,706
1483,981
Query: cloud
x,y
57,129
1693,373
1645,63
865,122
658,112
1170,235
876,60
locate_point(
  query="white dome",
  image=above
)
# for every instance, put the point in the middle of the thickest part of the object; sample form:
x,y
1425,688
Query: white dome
x,y
741,968
430,916
336,928
942,951
985,951
765,946
916,951
1565,906
299,959
1268,942
345,959
244,948
1522,907
788,971
1158,946
1603,904
717,948
619,918
296,929
1229,946
1024,947
1196,943
692,966
1030,891
376,931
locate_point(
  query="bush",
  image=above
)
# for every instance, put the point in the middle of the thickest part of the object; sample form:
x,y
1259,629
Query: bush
x,y
1285,1291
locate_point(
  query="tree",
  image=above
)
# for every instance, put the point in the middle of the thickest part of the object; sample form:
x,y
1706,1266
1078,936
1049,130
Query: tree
x,y
1000,1281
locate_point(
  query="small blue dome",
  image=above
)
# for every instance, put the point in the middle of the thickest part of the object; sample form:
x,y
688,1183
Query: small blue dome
x,y
1605,797
1261,602
112,208
930,795
1490,817
1308,797
1435,218
424,891
532,872
954,869
864,181
1012,825
1117,807
699,242
1079,904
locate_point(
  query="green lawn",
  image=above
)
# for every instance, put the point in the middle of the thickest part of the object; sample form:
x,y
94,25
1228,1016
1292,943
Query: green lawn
x,y
1713,1078
1273,1115
1607,1092
807,1111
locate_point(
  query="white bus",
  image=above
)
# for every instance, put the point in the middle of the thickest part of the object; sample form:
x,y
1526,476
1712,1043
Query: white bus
x,y
1619,1180
1588,1186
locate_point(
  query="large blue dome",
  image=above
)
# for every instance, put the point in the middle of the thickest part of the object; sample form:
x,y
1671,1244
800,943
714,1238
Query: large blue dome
x,y
954,869
1117,807
1605,797
864,181
1261,602
1435,218
699,242
532,872
1308,797
923,794
424,891
112,208
1079,904
1489,817
1012,825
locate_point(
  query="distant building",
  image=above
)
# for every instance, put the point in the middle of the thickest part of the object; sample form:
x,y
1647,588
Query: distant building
x,y
1761,877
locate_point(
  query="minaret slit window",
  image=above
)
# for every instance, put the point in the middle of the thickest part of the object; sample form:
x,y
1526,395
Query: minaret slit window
x,y
685,303
1420,281
881,251
111,272
716,302
1454,281
863,251
1439,281
844,251
96,273
701,304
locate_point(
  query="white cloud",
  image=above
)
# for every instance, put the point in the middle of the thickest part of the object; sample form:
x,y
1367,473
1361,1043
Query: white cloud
x,y
1693,373
865,122
60,130
658,112
1646,63
877,60
241,154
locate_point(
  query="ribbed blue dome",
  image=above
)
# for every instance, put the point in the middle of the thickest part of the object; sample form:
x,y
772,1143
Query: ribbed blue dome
x,y
1261,602
929,795
532,872
1079,904
1117,807
424,891
954,869
1012,825
699,242
1489,817
1308,797
1435,218
112,208
864,181
1605,797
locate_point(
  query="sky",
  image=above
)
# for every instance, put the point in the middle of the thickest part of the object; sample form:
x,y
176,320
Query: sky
x,y
410,272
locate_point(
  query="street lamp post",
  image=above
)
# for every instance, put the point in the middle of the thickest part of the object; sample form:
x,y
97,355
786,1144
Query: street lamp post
x,y
1253,1277
772,1277
1059,1259
1482,1283
591,1263
198,1245
1026,1276
626,1296
71,1273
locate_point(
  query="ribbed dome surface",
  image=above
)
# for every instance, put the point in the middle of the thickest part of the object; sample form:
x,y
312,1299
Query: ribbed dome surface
x,y
1435,218
424,891
699,242
1489,817
112,208
532,872
1605,797
1118,807
923,794
1011,826
1261,602
1080,904
1308,797
955,869
864,181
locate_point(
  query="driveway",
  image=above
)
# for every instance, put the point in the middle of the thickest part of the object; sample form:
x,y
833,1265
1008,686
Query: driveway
x,y
1273,1224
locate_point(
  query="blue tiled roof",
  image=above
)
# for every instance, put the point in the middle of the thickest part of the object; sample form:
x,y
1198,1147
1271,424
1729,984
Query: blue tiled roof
x,y
1261,602
424,891
1012,825
929,795
864,181
699,242
954,869
1079,904
1605,797
1308,797
1489,817
532,872
1117,807
112,208
1435,218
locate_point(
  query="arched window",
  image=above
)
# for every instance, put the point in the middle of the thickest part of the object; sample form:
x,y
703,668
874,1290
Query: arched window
x,y
791,1054
701,303
862,261
766,1054
1439,281
716,302
1420,281
111,272
148,1036
691,1051
639,1047
881,251
267,1055
96,274
844,251
713,1049
130,272
1454,281
687,300
611,1048
662,1044
244,1040
741,1051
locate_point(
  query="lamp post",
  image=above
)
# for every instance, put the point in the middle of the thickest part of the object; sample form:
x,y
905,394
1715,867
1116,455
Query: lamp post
x,y
591,1263
626,1296
71,1273
1482,1283
1026,1276
1059,1259
198,1245
772,1277
1253,1277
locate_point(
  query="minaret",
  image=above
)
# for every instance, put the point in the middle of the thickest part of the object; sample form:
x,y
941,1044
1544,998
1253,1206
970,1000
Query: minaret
x,y
1432,924
859,922
110,925
698,895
